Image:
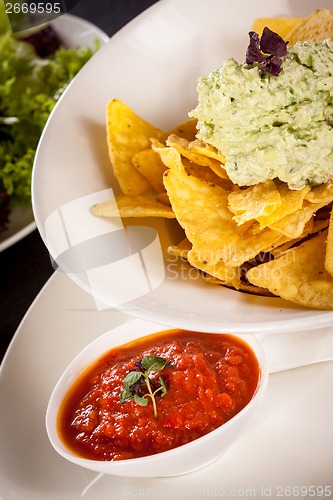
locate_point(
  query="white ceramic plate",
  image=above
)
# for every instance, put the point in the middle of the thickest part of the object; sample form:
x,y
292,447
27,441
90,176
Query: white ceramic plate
x,y
73,31
287,445
152,64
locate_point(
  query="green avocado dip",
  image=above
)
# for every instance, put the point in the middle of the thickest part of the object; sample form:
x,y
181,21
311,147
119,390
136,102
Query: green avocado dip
x,y
272,127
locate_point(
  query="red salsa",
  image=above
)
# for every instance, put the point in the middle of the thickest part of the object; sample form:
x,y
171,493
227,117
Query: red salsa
x,y
208,378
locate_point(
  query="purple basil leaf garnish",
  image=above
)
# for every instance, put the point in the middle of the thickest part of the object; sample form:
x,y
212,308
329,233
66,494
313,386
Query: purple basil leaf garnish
x,y
271,43
267,51
272,66
253,53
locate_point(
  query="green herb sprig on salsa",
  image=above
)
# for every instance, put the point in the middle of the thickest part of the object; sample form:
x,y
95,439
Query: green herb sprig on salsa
x,y
137,382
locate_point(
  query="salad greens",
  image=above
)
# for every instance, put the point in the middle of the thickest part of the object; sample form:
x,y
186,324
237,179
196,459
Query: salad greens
x,y
30,86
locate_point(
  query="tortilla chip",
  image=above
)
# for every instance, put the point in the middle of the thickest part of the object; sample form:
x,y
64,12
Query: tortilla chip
x,y
319,225
186,129
169,156
182,249
197,164
218,274
127,135
329,247
291,201
200,147
132,206
150,165
221,172
246,247
163,198
182,145
321,194
243,287
227,275
299,275
255,201
313,226
202,210
293,225
316,27
206,173
280,25
281,249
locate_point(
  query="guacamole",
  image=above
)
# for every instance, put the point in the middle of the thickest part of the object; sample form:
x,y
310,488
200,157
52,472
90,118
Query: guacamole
x,y
272,127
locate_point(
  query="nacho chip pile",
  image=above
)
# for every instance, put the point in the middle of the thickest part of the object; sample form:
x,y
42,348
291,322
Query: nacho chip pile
x,y
265,239
316,27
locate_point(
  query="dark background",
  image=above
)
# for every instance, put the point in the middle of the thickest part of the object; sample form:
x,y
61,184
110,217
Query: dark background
x,y
26,266
110,15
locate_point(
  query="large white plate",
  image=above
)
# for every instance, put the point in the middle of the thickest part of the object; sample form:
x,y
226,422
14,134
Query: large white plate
x,y
288,444
73,31
152,64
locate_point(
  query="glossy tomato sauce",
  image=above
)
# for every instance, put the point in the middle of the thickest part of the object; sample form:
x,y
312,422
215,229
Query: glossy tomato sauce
x,y
209,378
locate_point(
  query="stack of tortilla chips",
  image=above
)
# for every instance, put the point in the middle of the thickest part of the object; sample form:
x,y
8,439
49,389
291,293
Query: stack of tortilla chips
x,y
265,239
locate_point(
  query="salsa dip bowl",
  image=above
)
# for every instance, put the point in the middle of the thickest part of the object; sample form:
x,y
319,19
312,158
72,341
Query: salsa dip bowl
x,y
138,335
